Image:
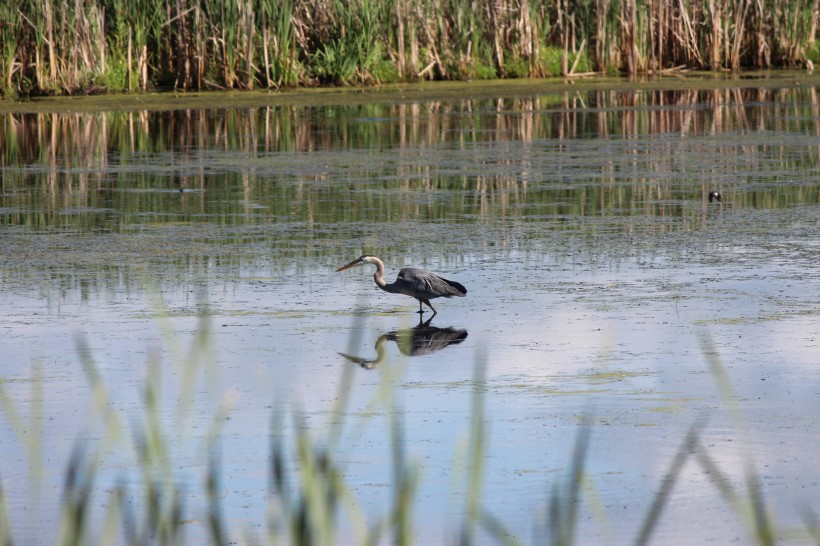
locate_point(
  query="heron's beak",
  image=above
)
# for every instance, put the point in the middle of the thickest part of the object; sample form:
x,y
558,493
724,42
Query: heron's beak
x,y
357,261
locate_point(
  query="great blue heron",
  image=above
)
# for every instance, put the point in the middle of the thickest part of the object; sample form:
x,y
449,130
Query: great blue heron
x,y
413,282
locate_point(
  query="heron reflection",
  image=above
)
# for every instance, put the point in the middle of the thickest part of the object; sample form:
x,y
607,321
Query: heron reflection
x,y
419,340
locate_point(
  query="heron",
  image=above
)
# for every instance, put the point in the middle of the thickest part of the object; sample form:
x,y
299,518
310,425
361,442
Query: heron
x,y
411,281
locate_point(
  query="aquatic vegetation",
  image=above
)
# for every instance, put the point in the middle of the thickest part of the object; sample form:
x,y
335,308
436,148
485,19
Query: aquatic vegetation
x,y
55,47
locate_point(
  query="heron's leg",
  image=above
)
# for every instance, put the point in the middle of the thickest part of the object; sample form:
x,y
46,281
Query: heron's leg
x,y
427,303
420,311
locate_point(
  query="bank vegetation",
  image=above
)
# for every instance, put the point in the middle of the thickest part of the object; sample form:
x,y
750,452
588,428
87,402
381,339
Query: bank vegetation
x,y
86,46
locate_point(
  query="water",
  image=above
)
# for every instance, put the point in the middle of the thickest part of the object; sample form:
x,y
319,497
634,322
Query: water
x,y
196,248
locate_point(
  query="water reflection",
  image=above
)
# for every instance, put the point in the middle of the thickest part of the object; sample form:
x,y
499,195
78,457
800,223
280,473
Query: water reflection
x,y
524,157
503,174
420,340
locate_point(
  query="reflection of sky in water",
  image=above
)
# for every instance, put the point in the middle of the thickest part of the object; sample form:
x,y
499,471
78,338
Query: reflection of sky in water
x,y
593,267
618,343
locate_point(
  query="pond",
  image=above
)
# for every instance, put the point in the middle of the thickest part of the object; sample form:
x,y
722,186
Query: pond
x,y
170,305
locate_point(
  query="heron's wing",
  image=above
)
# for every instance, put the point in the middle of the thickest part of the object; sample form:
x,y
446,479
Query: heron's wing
x,y
424,284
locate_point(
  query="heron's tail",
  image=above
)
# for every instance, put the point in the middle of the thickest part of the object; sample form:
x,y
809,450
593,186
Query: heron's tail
x,y
458,288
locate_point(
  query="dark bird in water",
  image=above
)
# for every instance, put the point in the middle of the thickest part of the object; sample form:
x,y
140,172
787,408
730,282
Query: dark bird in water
x,y
715,196
413,282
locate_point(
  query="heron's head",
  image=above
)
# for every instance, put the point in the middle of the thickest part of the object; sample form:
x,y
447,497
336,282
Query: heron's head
x,y
361,260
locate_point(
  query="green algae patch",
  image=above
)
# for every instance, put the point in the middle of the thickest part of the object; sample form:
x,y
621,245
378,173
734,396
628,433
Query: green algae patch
x,y
614,376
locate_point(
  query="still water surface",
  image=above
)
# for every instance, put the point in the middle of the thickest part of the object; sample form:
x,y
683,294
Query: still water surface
x,y
197,247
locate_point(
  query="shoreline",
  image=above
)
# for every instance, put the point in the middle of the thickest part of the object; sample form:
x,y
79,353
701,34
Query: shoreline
x,y
402,93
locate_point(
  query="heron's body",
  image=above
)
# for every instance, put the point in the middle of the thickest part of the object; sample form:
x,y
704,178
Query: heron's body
x,y
416,283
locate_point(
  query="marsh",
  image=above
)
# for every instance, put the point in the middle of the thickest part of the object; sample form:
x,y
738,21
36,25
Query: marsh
x,y
193,248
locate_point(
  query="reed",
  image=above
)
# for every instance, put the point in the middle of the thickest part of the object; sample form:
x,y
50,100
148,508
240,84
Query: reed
x,y
279,53
54,47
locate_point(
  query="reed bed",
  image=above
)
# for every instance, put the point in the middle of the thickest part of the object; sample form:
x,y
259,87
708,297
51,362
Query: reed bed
x,y
50,47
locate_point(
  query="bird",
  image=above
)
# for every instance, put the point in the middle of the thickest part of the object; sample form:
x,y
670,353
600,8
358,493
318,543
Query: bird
x,y
411,281
715,196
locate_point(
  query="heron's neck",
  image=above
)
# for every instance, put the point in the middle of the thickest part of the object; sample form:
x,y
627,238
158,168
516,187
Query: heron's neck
x,y
378,276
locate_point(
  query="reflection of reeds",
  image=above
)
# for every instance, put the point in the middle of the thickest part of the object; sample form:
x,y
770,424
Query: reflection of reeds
x,y
67,47
61,140
85,158
309,497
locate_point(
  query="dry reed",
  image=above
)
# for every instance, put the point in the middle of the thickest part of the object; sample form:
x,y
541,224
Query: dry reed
x,y
52,47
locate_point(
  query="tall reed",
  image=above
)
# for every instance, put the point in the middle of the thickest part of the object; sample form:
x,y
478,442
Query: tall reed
x,y
52,47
